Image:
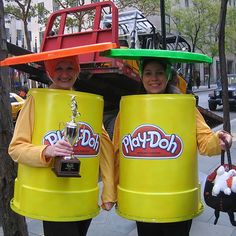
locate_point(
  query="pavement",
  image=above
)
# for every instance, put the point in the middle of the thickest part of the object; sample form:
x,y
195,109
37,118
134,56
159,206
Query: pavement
x,y
110,224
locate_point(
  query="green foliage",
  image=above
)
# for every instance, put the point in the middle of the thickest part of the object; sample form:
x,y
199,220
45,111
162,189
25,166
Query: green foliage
x,y
147,7
77,21
230,30
198,23
24,10
69,3
20,12
42,14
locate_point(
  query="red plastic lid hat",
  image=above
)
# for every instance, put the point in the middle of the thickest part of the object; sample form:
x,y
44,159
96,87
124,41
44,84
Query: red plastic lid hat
x,y
58,53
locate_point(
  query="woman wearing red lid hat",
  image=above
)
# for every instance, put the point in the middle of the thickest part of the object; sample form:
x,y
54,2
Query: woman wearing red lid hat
x,y
63,73
156,79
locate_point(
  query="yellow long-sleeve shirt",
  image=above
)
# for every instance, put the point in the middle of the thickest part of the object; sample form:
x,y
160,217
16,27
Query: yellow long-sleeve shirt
x,y
23,151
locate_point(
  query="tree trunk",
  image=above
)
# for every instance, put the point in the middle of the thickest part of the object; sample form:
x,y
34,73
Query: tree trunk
x,y
13,224
223,71
27,38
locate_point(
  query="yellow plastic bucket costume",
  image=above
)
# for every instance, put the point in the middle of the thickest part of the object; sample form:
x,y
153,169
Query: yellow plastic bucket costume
x,y
39,193
158,163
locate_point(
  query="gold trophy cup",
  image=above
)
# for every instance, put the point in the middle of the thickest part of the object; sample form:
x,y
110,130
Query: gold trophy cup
x,y
69,166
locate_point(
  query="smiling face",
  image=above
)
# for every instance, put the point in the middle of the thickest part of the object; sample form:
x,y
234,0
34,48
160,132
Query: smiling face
x,y
65,74
154,77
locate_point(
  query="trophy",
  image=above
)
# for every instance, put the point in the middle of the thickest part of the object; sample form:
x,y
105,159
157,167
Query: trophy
x,y
69,166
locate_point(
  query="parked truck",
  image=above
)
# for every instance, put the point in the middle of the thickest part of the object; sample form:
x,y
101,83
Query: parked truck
x,y
112,78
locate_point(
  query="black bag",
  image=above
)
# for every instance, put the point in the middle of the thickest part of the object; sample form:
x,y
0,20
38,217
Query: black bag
x,y
221,202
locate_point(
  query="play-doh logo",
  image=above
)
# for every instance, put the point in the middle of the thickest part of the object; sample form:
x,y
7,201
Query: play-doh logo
x,y
88,142
151,142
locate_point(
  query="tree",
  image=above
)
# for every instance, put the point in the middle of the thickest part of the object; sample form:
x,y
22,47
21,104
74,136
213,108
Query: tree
x,y
230,30
223,72
77,21
147,7
24,10
12,223
198,23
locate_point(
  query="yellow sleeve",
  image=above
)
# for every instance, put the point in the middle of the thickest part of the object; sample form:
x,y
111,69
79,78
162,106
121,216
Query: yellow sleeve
x,y
107,168
21,148
116,140
207,141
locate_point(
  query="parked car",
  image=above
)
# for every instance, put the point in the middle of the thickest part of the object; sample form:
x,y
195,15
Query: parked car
x,y
16,105
215,98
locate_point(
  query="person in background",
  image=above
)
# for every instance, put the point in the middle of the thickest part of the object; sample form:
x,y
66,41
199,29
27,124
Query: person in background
x,y
198,81
157,79
63,74
23,92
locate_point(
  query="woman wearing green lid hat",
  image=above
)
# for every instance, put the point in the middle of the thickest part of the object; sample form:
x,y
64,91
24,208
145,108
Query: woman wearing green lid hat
x,y
156,79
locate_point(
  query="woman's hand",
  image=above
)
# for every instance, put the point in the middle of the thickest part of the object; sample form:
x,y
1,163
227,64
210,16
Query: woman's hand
x,y
225,140
107,205
61,148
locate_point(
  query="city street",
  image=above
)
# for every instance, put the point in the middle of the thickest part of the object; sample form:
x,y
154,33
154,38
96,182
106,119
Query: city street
x,y
203,102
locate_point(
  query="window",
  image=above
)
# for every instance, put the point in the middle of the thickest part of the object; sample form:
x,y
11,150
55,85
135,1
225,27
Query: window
x,y
41,37
30,36
186,3
19,34
56,6
229,67
74,3
40,12
6,16
8,36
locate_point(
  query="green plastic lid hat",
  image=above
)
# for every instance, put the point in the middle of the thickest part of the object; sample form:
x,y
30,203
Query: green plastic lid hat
x,y
166,55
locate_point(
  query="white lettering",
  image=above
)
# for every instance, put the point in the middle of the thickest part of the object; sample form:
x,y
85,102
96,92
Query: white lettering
x,y
85,138
88,140
126,143
154,135
131,144
152,138
96,145
143,140
52,137
172,143
136,142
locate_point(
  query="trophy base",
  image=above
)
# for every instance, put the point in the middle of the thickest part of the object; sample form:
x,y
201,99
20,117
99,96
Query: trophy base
x,y
66,168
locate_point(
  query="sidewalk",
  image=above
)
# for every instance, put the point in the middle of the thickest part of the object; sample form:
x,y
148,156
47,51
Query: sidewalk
x,y
203,88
